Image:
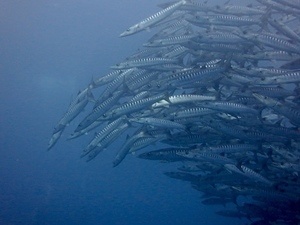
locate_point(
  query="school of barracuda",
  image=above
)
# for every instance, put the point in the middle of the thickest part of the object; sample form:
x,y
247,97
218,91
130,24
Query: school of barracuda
x,y
219,87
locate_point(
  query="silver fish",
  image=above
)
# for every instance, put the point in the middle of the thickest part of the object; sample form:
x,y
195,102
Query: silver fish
x,y
152,20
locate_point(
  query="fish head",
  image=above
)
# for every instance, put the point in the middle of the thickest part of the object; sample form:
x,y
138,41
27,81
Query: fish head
x,y
148,155
135,120
266,100
186,154
131,30
54,138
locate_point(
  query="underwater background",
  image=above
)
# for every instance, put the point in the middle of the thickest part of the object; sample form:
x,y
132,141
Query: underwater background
x,y
49,50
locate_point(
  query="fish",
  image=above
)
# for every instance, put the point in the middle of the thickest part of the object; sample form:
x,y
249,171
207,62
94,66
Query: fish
x,y
54,138
99,111
152,20
182,99
96,141
75,107
143,63
104,142
213,93
126,147
165,154
158,122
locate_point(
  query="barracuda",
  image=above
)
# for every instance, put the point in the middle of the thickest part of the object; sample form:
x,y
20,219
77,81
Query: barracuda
x,y
192,112
85,131
273,92
256,176
138,82
194,75
99,110
146,141
114,85
120,122
238,10
144,62
171,41
249,173
106,79
216,47
272,40
231,148
292,114
126,147
152,20
284,29
219,38
209,157
229,107
271,55
74,110
108,139
290,77
167,154
131,107
279,7
176,52
182,99
54,138
224,20
157,122
221,85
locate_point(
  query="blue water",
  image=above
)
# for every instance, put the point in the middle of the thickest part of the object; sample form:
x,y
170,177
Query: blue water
x,y
49,51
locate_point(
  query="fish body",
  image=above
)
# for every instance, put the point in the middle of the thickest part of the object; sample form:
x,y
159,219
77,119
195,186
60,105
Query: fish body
x,y
152,20
133,106
104,142
166,154
182,99
126,147
157,122
99,110
144,62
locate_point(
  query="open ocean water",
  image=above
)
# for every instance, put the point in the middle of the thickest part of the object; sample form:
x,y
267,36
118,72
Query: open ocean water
x,y
49,50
